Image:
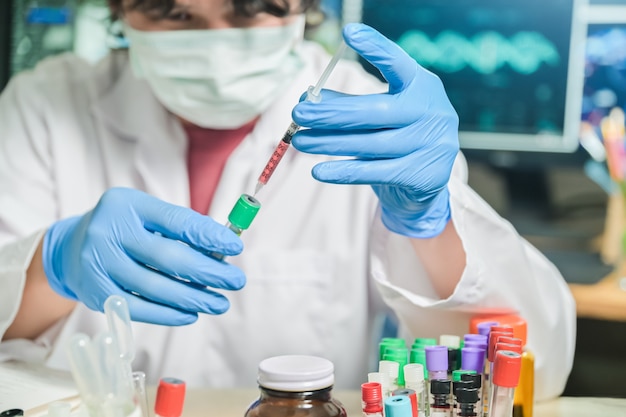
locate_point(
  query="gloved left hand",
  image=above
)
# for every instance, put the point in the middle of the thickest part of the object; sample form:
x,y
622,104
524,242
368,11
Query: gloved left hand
x,y
404,142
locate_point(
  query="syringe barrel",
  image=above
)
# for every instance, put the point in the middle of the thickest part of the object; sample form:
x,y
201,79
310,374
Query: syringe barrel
x,y
271,165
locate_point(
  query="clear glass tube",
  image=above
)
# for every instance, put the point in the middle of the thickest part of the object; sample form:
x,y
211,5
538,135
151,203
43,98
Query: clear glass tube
x,y
501,402
139,384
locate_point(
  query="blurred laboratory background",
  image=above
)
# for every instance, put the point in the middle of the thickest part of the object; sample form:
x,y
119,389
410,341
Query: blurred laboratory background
x,y
532,82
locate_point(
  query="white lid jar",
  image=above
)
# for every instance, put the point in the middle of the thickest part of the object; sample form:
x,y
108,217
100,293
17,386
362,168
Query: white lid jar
x,y
296,386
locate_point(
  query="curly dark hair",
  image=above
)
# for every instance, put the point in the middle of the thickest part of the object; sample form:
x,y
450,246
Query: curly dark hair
x,y
246,8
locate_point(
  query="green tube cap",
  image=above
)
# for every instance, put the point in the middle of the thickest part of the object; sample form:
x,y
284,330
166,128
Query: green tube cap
x,y
456,374
244,211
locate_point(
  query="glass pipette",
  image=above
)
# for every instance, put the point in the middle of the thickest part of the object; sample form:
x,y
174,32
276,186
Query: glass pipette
x,y
312,94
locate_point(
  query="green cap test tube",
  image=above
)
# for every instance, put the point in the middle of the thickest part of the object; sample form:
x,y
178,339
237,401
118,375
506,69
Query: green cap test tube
x,y
241,216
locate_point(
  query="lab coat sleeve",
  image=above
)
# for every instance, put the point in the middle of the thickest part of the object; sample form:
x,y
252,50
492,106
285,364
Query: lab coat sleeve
x,y
504,274
26,187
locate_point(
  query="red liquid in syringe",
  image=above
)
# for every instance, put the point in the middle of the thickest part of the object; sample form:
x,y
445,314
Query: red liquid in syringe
x,y
277,155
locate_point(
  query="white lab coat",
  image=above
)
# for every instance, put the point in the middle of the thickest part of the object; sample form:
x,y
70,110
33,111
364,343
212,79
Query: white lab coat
x,y
68,132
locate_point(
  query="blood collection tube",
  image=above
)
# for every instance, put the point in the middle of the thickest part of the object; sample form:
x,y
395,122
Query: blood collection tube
x,y
494,335
475,340
511,341
524,393
467,402
372,399
506,372
456,386
437,365
241,216
412,396
398,354
474,336
502,327
418,355
243,213
450,340
386,342
476,345
508,346
381,378
473,358
476,380
391,368
456,375
170,398
453,343
421,342
440,402
398,406
414,379
437,362
484,327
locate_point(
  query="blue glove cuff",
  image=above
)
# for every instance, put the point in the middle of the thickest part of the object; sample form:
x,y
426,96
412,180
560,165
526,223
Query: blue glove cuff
x,y
422,225
52,256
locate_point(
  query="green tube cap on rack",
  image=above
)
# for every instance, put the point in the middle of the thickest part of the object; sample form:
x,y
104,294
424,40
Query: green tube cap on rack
x,y
456,374
244,211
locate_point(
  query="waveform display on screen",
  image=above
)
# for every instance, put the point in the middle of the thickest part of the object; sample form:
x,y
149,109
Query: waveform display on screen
x,y
485,52
505,65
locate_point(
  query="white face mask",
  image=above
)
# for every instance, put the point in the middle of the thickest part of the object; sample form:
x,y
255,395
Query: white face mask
x,y
217,78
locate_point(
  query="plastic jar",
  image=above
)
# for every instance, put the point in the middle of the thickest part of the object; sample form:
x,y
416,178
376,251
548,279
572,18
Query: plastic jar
x,y
296,386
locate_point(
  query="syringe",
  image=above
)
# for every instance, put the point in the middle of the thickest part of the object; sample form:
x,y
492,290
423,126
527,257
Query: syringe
x,y
312,94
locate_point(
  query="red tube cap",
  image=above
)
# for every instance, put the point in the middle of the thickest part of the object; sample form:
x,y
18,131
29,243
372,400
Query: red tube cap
x,y
511,341
504,328
372,396
517,322
493,341
170,397
506,368
508,346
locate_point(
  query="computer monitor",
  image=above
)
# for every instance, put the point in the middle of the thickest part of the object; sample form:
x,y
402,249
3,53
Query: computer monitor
x,y
513,70
31,31
605,62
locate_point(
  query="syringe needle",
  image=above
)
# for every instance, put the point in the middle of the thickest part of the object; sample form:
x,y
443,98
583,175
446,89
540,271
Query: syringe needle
x,y
258,187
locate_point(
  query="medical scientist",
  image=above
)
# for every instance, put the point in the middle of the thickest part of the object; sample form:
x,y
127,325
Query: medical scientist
x,y
118,178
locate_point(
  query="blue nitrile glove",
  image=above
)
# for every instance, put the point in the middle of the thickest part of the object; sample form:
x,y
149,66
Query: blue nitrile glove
x,y
107,251
404,142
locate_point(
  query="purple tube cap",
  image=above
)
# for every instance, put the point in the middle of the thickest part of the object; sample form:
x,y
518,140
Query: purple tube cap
x,y
485,327
473,359
476,337
476,344
436,358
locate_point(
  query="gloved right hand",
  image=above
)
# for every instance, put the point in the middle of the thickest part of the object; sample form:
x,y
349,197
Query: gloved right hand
x,y
152,253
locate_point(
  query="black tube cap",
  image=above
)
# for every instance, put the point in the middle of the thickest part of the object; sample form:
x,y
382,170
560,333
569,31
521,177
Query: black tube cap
x,y
440,386
475,378
467,395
